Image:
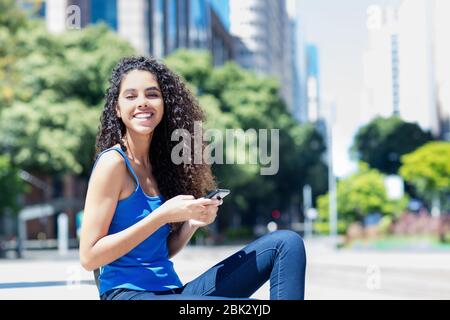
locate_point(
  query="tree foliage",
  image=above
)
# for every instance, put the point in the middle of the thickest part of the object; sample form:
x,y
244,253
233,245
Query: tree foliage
x,y
359,195
10,185
12,20
428,169
50,138
74,64
383,142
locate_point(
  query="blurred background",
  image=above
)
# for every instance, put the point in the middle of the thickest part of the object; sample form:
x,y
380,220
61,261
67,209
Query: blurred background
x,y
360,90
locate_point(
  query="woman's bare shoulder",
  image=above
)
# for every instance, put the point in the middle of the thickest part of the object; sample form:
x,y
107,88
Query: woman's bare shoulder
x,y
110,165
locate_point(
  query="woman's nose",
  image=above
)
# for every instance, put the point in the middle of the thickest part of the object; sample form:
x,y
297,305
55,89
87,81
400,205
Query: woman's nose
x,y
141,101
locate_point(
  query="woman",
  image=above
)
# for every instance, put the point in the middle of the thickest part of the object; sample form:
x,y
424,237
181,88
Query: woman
x,y
141,209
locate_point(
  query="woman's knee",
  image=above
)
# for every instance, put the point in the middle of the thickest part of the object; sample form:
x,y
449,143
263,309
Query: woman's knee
x,y
290,239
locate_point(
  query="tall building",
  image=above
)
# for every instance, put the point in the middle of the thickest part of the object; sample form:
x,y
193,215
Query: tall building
x,y
297,87
55,15
134,24
222,8
442,65
157,27
104,11
297,67
407,65
313,84
424,54
263,44
222,43
381,64
418,100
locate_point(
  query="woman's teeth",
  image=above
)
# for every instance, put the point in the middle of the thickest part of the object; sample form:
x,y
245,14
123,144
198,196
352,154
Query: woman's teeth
x,y
144,116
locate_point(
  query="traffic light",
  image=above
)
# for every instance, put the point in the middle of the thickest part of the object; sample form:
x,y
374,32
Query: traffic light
x,y
276,214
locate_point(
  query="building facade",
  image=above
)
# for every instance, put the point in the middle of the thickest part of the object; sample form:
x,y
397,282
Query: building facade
x,y
407,64
381,64
418,100
424,55
299,67
158,27
263,42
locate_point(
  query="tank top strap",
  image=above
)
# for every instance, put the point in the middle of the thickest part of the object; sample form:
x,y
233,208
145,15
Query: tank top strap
x,y
127,162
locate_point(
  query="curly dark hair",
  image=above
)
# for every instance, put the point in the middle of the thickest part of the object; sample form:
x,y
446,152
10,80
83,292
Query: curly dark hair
x,y
181,110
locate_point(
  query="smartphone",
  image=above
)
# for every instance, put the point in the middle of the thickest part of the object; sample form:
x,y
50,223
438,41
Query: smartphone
x,y
218,194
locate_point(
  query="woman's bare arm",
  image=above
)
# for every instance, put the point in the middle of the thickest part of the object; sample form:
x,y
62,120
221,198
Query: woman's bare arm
x,y
179,239
97,248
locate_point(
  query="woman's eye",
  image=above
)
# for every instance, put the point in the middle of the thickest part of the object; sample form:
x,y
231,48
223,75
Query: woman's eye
x,y
152,95
130,97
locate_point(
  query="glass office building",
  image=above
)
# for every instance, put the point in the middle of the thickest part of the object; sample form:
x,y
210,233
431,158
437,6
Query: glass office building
x,y
178,23
159,27
104,11
199,23
188,24
222,9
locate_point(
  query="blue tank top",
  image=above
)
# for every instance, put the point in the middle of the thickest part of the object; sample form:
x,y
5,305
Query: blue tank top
x,y
147,267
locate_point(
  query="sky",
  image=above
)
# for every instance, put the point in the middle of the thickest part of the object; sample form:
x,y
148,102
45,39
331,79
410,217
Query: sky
x,y
339,30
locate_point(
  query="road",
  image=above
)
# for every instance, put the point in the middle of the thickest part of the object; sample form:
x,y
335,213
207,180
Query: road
x,y
331,274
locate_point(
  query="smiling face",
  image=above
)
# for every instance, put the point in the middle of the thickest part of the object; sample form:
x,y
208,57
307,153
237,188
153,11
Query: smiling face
x,y
140,104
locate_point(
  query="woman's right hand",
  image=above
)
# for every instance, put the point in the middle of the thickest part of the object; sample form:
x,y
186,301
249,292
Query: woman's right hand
x,y
184,207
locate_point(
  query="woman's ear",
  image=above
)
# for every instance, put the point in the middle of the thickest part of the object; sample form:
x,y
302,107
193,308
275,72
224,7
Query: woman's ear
x,y
118,113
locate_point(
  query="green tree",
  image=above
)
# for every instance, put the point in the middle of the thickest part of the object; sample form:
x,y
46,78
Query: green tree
x,y
195,66
49,137
11,186
359,195
383,142
428,170
75,64
11,18
11,21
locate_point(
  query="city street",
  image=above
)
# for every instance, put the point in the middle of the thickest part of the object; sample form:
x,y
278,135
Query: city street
x,y
345,274
323,117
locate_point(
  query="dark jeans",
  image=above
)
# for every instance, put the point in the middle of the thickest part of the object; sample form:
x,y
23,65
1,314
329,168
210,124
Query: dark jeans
x,y
279,256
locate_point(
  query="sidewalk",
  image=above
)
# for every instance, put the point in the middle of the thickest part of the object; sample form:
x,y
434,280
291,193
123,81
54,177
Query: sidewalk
x,y
46,275
331,274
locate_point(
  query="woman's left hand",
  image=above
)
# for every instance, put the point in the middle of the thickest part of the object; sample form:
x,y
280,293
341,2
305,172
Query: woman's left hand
x,y
208,217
